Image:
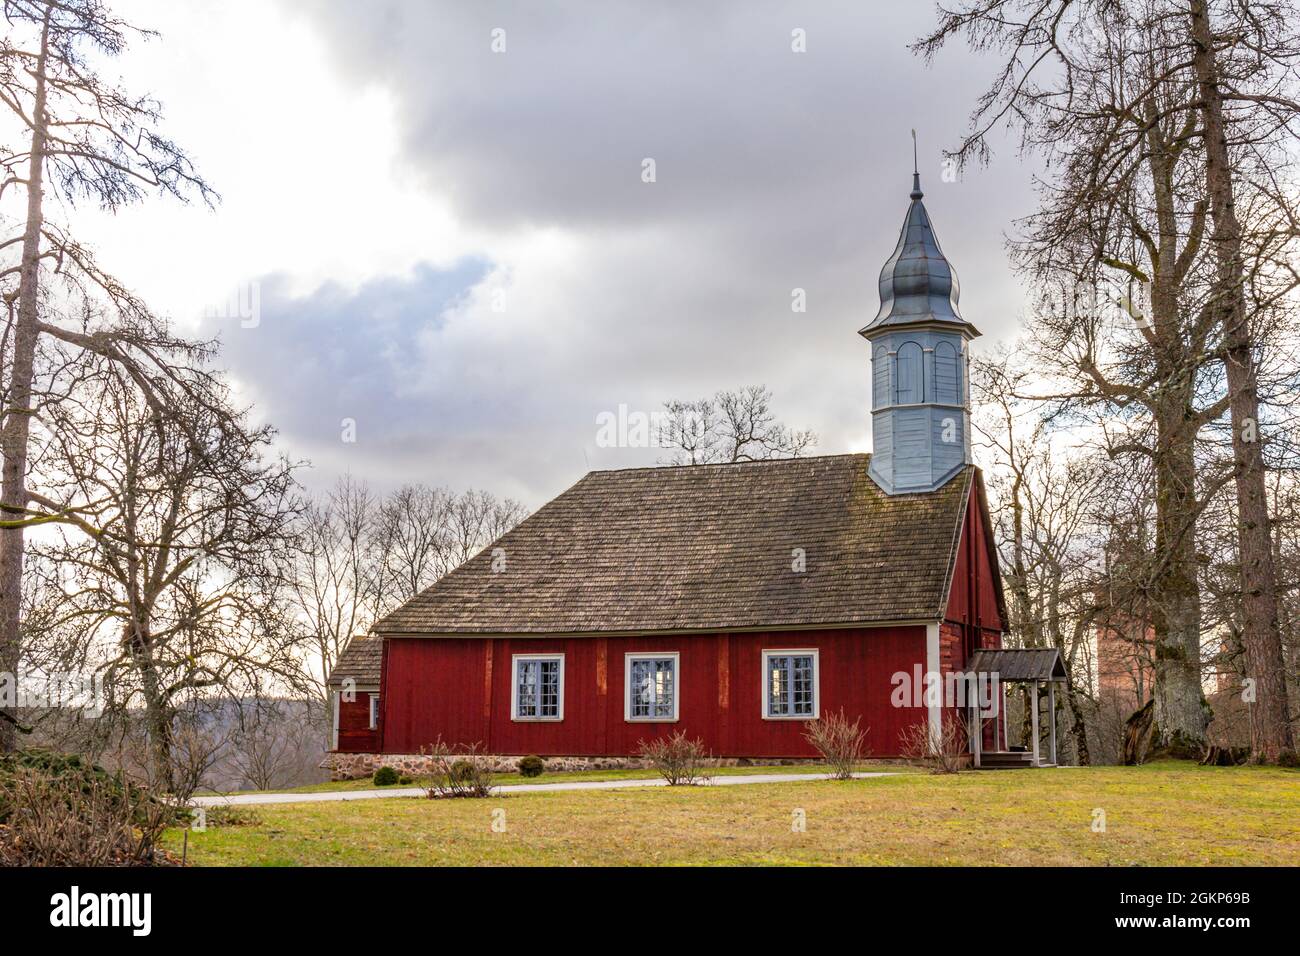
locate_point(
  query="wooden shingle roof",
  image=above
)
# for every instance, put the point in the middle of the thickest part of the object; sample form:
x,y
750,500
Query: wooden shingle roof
x,y
361,660
1019,664
706,548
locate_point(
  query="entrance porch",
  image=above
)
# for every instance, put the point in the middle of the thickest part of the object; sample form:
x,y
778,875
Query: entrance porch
x,y
1033,666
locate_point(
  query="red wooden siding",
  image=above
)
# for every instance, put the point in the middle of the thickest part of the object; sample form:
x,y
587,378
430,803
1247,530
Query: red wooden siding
x,y
459,689
972,598
972,620
355,735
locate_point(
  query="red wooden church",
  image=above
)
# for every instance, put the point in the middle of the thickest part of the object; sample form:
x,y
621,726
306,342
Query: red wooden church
x,y
734,602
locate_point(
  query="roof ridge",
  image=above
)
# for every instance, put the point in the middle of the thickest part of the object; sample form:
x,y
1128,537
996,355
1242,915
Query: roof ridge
x,y
726,464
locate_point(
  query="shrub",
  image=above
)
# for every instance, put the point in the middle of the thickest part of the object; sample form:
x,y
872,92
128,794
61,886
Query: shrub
x,y
48,763
450,776
841,744
942,750
678,759
385,777
61,811
405,781
531,766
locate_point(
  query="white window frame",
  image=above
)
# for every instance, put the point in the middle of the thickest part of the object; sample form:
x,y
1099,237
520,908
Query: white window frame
x,y
374,711
631,656
765,673
515,660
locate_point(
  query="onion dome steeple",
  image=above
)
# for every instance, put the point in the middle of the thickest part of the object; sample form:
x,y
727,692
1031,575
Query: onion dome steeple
x,y
917,284
920,419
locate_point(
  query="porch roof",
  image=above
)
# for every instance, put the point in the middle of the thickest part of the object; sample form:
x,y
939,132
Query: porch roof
x,y
1021,664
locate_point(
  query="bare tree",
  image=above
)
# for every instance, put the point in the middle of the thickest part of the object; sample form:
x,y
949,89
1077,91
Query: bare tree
x,y
84,139
731,426
476,519
357,556
1200,96
1042,516
171,576
334,586
1245,62
267,748
1103,90
413,538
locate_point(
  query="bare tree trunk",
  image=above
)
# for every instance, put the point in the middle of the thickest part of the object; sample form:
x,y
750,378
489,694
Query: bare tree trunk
x,y
157,712
17,421
1261,638
1078,726
1137,735
1071,698
1181,714
1022,605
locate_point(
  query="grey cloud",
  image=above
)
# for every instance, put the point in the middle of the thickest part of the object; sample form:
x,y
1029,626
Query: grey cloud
x,y
775,170
555,128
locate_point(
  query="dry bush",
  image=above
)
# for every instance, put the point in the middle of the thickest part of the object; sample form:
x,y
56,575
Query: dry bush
x,y
943,751
80,819
678,759
841,744
459,772
194,752
274,744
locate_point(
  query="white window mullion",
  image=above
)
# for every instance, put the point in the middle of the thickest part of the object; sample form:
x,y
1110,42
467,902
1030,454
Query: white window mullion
x,y
650,691
538,687
791,684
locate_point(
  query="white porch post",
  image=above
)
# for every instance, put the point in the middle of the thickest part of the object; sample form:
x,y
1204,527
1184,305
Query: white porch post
x,y
334,734
1051,717
1033,704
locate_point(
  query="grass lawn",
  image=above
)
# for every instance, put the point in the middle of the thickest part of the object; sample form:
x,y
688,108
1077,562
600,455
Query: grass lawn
x,y
1165,814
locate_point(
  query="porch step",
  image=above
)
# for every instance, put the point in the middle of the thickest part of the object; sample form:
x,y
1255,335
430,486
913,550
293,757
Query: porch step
x,y
1005,761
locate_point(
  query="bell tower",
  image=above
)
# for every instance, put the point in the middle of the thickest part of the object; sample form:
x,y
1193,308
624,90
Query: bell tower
x,y
920,403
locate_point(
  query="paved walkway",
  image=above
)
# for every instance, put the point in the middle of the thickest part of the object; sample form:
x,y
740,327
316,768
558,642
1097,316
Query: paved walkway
x,y
727,780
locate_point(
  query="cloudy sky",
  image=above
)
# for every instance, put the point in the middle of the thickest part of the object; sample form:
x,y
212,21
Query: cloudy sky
x,y
453,246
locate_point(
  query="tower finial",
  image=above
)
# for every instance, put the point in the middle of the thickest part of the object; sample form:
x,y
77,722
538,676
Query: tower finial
x,y
916,171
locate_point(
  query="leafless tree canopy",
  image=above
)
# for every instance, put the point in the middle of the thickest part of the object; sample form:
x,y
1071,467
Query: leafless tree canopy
x,y
359,555
165,584
1161,255
729,427
82,139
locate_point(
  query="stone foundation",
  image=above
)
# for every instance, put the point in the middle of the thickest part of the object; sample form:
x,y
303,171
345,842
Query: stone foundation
x,y
345,766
